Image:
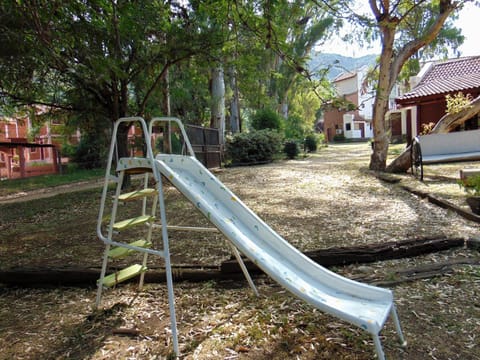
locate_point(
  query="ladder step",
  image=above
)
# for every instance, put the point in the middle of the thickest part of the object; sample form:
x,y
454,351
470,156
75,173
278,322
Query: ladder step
x,y
123,275
124,224
120,252
137,194
134,165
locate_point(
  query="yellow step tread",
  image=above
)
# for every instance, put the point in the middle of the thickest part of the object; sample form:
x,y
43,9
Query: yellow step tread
x,y
123,275
119,252
124,224
133,195
134,165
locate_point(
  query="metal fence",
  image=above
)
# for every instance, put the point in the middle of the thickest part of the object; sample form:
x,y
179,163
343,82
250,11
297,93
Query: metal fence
x,y
206,145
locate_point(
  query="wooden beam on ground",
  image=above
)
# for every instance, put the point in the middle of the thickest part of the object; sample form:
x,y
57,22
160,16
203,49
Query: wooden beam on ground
x,y
338,256
230,270
444,204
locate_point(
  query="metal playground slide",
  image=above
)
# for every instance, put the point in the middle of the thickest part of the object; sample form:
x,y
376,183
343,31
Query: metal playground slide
x,y
365,306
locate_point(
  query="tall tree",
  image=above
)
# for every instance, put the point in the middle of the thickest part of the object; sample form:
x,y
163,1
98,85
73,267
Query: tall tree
x,y
279,36
391,22
388,16
218,102
108,57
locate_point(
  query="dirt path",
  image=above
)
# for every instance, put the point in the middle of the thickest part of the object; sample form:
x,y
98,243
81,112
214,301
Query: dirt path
x,y
50,191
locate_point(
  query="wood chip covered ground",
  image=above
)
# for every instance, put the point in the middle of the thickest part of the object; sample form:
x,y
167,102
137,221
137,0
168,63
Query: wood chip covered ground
x,y
328,199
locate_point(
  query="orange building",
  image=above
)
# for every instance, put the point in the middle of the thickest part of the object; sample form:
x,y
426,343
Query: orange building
x,y
21,157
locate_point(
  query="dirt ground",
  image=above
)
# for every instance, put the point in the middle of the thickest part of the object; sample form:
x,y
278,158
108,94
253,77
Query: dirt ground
x,y
327,199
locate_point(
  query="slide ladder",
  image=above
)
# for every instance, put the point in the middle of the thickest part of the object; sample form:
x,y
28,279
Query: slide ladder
x,y
118,245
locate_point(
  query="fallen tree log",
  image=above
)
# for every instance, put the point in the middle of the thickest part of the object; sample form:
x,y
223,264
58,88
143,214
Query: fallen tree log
x,y
444,204
338,256
416,273
87,277
42,277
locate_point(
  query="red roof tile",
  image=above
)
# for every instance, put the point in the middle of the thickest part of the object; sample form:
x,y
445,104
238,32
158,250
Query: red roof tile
x,y
444,77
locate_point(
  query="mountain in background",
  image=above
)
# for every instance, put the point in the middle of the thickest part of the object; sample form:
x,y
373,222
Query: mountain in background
x,y
338,64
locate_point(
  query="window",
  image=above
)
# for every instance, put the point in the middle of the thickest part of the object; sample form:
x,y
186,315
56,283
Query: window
x,y
348,126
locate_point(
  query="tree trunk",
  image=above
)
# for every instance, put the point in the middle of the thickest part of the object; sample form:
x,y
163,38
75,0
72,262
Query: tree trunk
x,y
284,107
218,102
234,104
450,121
446,124
378,159
122,150
166,109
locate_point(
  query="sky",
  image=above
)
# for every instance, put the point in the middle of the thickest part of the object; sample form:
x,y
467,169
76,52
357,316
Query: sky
x,y
467,21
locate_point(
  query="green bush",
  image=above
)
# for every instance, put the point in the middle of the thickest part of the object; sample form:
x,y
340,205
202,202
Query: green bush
x,y
253,147
89,152
311,142
68,150
175,141
471,185
266,119
294,128
291,149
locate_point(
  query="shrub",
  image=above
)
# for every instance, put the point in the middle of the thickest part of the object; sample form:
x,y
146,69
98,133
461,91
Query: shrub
x,y
311,142
175,141
89,152
266,119
291,149
253,147
294,128
471,185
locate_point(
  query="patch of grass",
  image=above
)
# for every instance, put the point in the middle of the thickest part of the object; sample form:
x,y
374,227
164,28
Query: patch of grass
x,y
38,182
53,209
395,149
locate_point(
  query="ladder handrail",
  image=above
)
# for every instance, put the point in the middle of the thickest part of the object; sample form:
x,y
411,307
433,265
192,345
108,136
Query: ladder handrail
x,y
180,126
109,168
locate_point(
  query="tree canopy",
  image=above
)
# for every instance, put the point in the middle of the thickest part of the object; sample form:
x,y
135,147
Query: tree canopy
x,y
404,30
104,59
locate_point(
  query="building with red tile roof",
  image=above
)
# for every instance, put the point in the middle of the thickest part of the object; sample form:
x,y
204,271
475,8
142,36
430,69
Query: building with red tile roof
x,y
426,102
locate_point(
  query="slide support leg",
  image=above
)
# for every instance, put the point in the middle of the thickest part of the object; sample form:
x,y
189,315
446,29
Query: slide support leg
x,y
244,268
397,325
378,347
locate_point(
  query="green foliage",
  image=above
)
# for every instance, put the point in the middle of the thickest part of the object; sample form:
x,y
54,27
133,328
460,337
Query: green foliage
x,y
89,153
291,149
266,119
253,147
471,185
457,102
339,137
175,141
72,175
295,128
68,150
311,142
